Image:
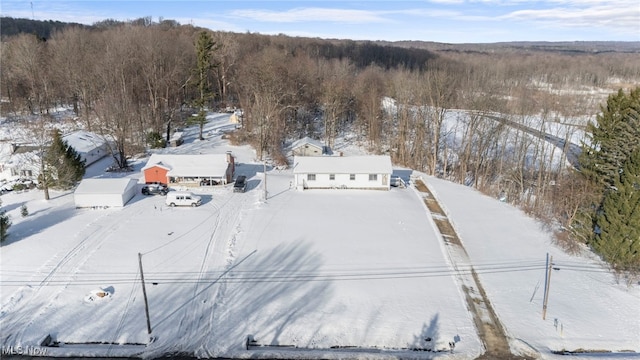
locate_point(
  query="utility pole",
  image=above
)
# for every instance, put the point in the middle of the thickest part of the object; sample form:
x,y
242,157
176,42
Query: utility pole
x,y
144,293
547,285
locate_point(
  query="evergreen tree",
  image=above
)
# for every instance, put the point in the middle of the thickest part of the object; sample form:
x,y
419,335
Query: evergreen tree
x,y
613,137
65,165
618,221
204,48
155,140
5,224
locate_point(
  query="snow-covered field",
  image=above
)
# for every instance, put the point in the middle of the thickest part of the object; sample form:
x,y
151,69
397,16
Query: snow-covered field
x,y
305,274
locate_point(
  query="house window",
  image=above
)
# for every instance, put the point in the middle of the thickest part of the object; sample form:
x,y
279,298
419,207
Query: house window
x,y
332,176
311,177
373,177
352,177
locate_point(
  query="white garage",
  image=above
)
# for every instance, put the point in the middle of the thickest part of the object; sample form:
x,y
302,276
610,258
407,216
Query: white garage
x,y
105,192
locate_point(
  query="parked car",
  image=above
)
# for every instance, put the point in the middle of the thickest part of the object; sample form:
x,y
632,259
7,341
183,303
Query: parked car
x,y
396,181
152,189
240,184
183,198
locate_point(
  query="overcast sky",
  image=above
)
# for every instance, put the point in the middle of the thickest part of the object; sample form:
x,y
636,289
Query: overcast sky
x,y
452,21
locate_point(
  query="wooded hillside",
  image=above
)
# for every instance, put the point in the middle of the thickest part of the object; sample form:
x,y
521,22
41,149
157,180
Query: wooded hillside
x,y
136,81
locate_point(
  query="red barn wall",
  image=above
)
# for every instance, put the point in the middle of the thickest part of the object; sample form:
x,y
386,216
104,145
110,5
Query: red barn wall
x,y
155,174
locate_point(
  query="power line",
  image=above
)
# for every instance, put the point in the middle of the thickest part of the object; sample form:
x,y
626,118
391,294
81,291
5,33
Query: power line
x,y
273,275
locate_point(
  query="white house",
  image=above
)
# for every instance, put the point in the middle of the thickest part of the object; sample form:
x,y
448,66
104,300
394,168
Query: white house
x,y
91,147
307,147
23,160
112,192
18,162
342,172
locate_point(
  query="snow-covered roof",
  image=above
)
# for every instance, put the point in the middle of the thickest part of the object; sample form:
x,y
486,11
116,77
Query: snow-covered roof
x,y
177,135
190,165
366,164
83,141
104,186
307,141
6,149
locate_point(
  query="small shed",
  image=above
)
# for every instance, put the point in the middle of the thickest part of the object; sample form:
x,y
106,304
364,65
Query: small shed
x,y
342,172
176,139
105,192
307,147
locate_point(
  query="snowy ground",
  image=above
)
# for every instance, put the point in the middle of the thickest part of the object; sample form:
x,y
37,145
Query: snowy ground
x,y
587,308
313,274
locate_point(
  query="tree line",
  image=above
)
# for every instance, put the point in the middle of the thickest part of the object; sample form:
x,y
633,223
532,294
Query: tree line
x,y
133,82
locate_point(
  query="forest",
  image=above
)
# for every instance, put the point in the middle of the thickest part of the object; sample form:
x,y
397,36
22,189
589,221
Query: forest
x,y
134,82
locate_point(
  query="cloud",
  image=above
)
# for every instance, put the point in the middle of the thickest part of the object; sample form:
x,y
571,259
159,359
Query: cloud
x,y
621,15
312,14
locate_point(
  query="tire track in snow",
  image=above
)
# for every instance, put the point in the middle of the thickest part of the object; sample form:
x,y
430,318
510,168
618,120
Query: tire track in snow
x,y
213,296
19,295
24,302
188,328
187,321
64,272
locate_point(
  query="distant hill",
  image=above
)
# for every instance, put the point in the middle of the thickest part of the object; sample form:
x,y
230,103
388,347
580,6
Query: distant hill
x,y
568,47
43,29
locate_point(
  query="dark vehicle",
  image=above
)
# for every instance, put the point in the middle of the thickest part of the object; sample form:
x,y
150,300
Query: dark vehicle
x,y
240,184
152,189
206,182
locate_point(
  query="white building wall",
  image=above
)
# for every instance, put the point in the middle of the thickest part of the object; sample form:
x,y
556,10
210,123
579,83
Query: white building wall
x,y
98,200
130,192
342,181
307,150
94,155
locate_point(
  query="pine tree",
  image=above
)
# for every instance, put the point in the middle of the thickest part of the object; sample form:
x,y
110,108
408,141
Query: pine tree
x,y
64,164
5,224
204,48
613,138
618,238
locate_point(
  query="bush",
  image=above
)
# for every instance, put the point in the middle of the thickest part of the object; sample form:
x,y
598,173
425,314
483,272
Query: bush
x,y
5,224
155,140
